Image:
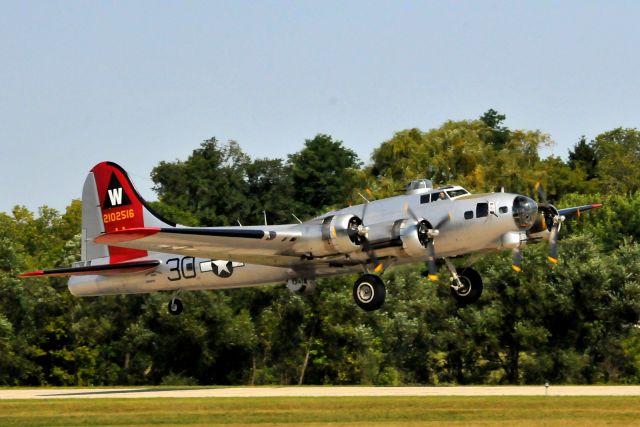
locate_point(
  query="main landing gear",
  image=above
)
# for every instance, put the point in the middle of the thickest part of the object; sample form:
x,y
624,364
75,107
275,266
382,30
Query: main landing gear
x,y
369,292
466,287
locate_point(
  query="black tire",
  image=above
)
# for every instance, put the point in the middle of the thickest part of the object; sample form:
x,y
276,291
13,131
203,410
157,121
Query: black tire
x,y
175,306
369,292
472,287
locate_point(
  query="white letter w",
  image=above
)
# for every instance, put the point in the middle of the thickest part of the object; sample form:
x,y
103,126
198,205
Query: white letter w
x,y
115,196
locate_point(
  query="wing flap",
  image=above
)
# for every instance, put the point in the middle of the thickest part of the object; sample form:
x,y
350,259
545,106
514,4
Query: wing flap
x,y
91,270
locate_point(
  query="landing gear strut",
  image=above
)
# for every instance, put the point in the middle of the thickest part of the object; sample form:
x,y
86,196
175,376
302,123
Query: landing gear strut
x,y
175,305
369,292
466,286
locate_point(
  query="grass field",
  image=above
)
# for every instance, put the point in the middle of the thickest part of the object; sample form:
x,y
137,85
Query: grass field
x,y
341,411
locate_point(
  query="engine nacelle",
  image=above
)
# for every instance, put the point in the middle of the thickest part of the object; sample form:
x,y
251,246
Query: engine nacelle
x,y
541,229
343,232
336,234
301,286
414,235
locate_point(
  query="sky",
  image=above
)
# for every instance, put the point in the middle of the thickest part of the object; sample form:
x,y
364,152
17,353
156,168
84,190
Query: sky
x,y
147,81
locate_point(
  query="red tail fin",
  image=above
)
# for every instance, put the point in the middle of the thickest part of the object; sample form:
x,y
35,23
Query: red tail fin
x,y
121,207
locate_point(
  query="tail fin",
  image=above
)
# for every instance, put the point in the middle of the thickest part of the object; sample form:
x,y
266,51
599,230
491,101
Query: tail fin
x,y
111,203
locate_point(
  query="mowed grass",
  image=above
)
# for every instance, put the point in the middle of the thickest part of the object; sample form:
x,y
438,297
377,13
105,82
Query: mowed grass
x,y
331,411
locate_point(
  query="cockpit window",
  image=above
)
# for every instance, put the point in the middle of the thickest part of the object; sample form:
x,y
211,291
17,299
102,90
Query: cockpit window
x,y
458,192
438,196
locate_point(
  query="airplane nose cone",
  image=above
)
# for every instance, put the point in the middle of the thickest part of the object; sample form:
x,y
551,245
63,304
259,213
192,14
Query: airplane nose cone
x,y
524,211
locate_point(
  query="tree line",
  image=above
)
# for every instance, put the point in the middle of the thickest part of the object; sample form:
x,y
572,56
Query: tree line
x,y
576,322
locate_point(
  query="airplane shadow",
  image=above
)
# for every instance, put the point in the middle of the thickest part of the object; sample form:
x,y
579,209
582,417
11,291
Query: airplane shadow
x,y
127,391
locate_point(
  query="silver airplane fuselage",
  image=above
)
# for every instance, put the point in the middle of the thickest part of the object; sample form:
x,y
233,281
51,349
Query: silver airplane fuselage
x,y
466,223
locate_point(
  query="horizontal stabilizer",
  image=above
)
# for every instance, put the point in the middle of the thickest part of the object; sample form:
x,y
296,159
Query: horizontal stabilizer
x,y
90,270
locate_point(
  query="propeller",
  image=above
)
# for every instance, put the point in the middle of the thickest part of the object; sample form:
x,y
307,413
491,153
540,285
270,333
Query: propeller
x,y
516,262
550,215
541,194
553,239
427,237
358,233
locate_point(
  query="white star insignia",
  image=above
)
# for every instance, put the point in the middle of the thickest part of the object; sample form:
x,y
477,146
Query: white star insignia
x,y
221,265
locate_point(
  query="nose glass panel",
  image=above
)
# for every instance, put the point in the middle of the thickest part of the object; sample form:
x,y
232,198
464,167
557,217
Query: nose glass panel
x,y
524,211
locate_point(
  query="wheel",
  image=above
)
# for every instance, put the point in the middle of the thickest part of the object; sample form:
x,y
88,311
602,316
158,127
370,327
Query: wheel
x,y
369,292
471,287
175,306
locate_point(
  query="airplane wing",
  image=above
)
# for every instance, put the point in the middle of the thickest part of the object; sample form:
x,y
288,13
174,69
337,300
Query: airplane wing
x,y
89,270
243,244
577,210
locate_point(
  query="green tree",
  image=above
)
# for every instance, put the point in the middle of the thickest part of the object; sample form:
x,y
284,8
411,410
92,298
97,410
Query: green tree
x,y
210,184
34,312
458,152
558,179
322,174
583,156
220,185
499,135
618,155
269,190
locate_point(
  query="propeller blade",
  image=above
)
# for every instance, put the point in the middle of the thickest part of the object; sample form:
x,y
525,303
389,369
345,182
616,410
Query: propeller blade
x,y
407,209
516,263
431,250
360,232
541,194
553,243
364,211
444,220
431,261
366,245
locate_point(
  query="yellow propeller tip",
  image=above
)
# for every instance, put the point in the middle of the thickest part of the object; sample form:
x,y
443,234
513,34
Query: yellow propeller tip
x,y
552,260
433,277
378,268
516,268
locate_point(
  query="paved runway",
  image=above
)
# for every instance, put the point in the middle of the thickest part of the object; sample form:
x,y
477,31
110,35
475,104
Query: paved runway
x,y
136,393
